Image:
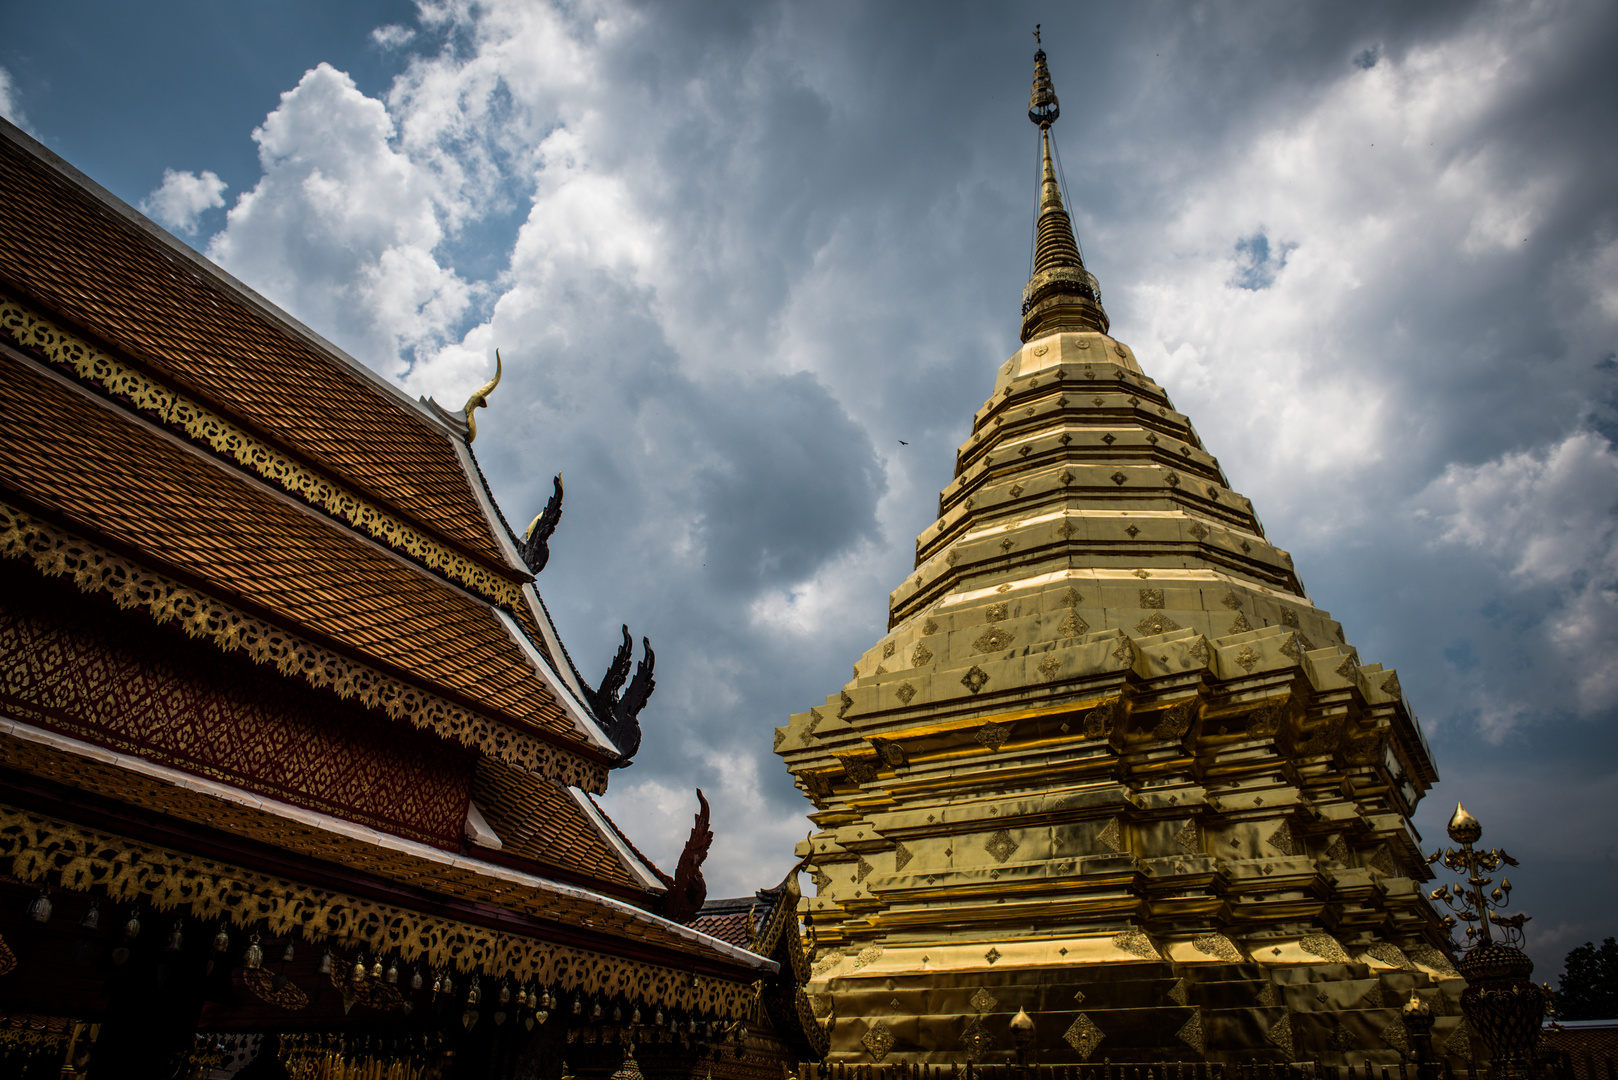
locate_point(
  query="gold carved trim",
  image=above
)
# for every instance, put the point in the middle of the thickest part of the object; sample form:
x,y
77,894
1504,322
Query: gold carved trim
x,y
57,552
41,849
201,426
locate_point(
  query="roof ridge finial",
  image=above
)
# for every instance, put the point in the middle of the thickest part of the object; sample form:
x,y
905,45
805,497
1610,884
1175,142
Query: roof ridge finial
x,y
480,399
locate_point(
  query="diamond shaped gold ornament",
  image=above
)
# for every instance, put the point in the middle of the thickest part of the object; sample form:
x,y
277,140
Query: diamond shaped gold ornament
x,y
976,1040
1082,1035
983,1001
878,1040
1001,846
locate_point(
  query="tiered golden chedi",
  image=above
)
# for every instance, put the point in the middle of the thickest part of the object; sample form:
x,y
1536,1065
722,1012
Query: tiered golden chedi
x,y
1111,765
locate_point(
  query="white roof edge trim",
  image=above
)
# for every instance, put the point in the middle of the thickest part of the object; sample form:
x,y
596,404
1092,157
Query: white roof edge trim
x,y
650,881
553,641
179,778
486,504
575,708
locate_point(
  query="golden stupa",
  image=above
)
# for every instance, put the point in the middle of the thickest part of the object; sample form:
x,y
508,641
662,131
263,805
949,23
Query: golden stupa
x,y
1110,765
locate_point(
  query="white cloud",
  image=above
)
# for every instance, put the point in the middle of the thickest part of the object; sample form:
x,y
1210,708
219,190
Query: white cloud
x,y
393,36
658,816
10,102
182,198
1546,517
342,228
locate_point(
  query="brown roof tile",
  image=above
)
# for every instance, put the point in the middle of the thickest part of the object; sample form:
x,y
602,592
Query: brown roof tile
x,y
67,248
535,819
111,475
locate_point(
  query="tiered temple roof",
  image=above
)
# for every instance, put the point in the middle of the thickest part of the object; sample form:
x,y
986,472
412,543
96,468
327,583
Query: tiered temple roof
x,y
271,657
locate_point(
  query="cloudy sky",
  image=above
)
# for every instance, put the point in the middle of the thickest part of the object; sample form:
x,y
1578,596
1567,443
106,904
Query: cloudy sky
x,y
733,253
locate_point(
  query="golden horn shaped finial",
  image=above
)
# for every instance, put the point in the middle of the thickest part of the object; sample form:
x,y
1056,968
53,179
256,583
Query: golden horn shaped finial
x,y
480,399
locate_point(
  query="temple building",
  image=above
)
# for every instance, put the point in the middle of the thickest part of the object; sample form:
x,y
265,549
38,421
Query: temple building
x,y
1111,765
293,763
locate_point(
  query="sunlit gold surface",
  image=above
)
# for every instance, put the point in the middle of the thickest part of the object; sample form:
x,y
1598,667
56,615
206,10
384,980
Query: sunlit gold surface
x,y
1111,764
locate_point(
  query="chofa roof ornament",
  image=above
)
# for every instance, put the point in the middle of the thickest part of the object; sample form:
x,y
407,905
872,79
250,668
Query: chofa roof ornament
x,y
480,399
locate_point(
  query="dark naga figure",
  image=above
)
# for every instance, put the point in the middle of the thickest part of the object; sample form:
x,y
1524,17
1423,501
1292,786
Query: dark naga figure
x,y
687,888
536,551
619,715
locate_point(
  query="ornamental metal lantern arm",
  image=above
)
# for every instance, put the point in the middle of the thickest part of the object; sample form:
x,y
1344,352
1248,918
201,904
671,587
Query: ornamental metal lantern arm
x,y
1469,901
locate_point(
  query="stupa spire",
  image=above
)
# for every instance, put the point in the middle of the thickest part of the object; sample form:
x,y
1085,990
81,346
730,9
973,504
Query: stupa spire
x,y
1061,293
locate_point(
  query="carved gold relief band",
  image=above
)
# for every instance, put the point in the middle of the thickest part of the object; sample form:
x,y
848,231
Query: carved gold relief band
x,y
40,849
202,426
57,552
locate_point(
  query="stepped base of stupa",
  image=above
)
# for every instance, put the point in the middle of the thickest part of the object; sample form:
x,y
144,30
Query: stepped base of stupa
x,y
1174,1009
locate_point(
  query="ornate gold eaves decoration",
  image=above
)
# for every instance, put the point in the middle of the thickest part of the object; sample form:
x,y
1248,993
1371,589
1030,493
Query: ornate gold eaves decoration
x,y
1135,943
94,570
1324,946
868,955
1280,1034
1217,946
1459,1043
1396,1036
39,849
204,428
1281,839
1112,836
1191,1033
1429,957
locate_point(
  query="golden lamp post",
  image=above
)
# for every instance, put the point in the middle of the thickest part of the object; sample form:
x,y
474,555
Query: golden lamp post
x,y
1500,1001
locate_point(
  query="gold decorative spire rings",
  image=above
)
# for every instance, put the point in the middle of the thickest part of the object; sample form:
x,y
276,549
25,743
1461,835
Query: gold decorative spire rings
x,y
1061,294
1043,108
480,399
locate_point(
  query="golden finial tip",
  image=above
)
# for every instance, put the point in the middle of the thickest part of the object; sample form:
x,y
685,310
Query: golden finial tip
x,y
1463,827
1416,1006
1022,1021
